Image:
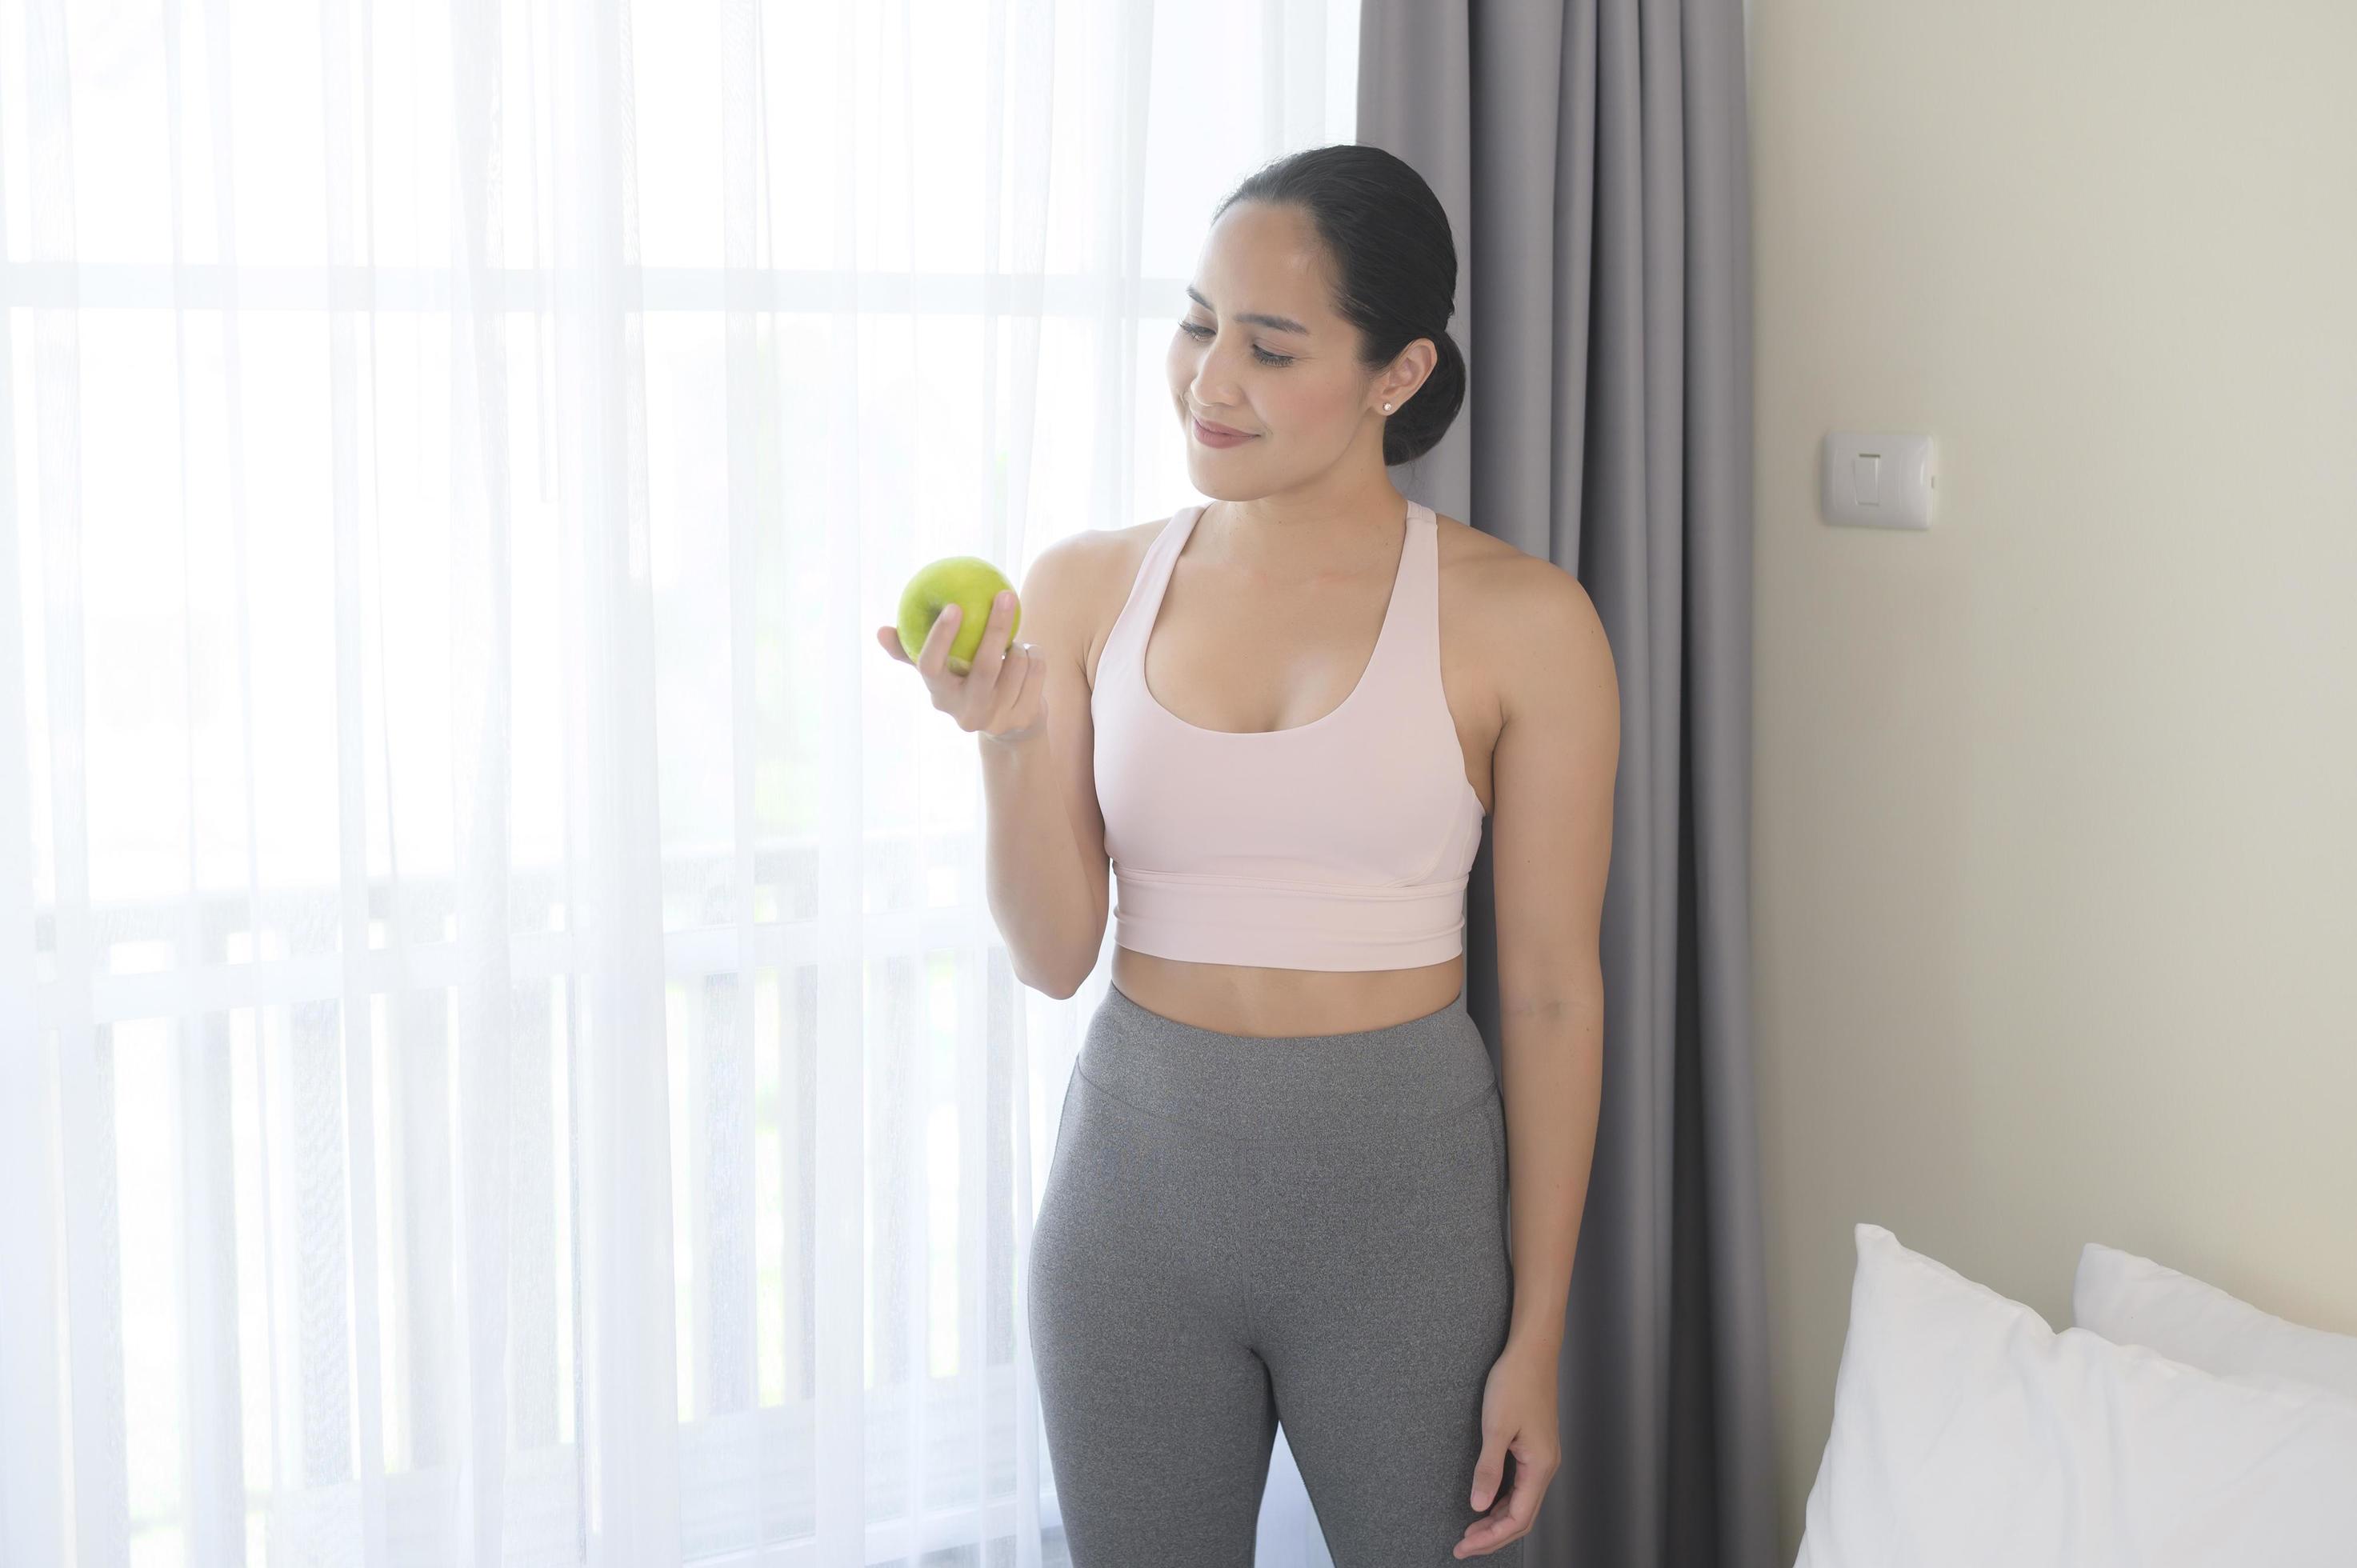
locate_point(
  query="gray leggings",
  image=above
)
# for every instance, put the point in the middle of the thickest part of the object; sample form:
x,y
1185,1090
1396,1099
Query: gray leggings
x,y
1241,1230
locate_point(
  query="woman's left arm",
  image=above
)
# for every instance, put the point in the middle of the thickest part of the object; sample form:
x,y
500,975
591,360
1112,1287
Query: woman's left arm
x,y
1551,845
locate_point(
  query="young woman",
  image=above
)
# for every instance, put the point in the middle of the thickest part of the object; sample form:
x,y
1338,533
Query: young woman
x,y
1279,1184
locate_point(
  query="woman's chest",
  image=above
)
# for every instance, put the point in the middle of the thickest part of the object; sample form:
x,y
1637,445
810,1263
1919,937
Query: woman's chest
x,y
1222,653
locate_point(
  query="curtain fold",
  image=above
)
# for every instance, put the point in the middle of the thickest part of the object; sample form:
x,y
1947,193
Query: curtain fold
x,y
504,1054
1592,157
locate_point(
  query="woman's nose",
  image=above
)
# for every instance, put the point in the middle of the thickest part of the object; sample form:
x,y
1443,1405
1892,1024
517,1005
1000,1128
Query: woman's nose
x,y
1212,394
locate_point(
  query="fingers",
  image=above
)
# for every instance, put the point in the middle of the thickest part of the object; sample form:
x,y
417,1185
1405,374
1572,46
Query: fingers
x,y
1514,1517
1490,1468
988,695
994,634
890,637
1520,1508
933,658
933,655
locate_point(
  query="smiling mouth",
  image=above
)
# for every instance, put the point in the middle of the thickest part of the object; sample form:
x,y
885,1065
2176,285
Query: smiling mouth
x,y
1216,429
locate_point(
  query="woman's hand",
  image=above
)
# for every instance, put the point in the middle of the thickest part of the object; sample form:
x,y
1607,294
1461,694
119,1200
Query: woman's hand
x,y
1518,1415
1004,696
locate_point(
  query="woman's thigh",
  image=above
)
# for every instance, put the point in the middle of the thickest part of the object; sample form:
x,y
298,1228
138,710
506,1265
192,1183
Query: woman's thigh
x,y
1158,1413
1383,1300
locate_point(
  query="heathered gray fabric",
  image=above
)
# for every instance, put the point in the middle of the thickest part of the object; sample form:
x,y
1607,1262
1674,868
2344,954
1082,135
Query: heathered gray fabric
x,y
1242,1230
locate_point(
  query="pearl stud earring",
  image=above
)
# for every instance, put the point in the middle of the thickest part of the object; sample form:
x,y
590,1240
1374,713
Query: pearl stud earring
x,y
1387,408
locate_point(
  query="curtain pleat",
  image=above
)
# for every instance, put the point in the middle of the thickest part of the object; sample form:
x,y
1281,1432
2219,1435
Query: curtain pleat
x,y
92,1305
32,1385
347,82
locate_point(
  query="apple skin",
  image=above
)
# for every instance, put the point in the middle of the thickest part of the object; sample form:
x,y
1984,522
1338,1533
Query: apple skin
x,y
967,581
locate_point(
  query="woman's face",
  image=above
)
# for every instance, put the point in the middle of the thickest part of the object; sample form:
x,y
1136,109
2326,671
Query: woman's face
x,y
1261,350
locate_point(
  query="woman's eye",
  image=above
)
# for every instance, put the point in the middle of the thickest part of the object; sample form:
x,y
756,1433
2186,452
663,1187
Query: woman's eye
x,y
1197,329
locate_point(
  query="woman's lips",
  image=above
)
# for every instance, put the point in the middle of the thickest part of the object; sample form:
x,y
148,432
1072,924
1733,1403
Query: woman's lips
x,y
1210,435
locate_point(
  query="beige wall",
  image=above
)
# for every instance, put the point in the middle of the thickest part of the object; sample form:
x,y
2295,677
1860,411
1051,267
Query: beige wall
x,y
2056,814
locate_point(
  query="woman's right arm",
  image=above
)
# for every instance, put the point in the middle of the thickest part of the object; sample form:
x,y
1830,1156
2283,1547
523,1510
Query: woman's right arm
x,y
1028,706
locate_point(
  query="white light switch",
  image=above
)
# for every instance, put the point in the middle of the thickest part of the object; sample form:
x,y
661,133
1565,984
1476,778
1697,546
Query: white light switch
x,y
1878,479
1862,477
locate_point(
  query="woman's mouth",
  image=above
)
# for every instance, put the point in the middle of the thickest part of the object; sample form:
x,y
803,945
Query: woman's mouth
x,y
1213,435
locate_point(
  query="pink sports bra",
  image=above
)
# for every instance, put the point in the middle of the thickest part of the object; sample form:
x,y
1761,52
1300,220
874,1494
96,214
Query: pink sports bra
x,y
1345,843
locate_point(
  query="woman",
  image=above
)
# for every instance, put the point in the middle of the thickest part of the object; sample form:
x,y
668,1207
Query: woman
x,y
1279,1184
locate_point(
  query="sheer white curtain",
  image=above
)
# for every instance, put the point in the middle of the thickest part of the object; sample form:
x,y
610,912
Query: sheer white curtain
x,y
504,1055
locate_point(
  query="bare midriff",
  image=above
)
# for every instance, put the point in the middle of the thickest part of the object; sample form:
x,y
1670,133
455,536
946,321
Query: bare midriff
x,y
1236,999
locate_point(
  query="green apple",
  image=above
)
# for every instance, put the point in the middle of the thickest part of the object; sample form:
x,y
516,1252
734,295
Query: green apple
x,y
967,581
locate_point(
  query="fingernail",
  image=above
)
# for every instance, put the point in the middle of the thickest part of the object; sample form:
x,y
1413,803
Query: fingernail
x,y
1005,599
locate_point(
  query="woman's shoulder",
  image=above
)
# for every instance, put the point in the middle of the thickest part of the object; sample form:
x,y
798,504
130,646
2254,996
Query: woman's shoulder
x,y
1103,556
1507,583
1511,617
1107,560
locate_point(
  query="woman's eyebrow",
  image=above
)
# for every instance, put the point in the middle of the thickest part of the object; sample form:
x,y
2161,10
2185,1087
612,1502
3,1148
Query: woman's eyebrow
x,y
1282,323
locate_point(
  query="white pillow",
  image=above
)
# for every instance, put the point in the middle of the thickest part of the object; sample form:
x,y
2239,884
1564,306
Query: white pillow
x,y
1966,1431
2135,1300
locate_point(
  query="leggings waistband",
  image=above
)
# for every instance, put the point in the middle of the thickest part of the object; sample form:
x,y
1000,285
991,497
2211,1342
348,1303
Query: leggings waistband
x,y
1288,1086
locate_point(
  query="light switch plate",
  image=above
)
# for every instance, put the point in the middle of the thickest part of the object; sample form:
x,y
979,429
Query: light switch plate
x,y
1879,478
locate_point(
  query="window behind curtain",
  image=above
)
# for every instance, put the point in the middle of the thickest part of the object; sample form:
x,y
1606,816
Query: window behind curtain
x,y
503,1055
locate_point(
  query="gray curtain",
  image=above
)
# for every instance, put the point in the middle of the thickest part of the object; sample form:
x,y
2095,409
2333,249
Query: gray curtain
x,y
1592,155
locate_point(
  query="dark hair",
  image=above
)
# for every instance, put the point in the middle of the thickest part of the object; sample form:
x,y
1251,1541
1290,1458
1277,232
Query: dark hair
x,y
1396,264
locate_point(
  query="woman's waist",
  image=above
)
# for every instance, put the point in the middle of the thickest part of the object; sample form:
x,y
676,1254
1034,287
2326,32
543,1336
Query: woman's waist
x,y
1263,1002
1345,1083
